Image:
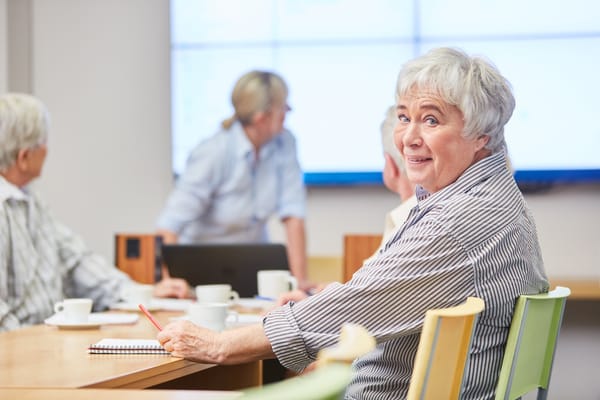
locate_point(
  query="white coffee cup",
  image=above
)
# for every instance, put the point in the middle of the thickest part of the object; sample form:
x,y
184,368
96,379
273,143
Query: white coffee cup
x,y
74,311
272,283
221,293
139,294
210,315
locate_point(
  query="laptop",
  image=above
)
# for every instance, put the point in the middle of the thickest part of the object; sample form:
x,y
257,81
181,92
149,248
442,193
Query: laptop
x,y
235,264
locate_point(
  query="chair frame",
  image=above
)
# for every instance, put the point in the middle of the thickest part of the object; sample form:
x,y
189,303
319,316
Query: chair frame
x,y
443,353
517,375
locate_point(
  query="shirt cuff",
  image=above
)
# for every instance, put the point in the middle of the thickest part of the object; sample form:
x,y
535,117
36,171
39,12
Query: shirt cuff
x,y
286,339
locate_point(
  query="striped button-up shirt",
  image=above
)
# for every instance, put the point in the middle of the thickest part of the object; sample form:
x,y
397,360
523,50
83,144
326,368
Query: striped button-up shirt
x,y
43,261
475,237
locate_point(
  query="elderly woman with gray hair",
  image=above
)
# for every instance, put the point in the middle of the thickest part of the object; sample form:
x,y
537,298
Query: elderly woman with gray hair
x,y
471,234
235,180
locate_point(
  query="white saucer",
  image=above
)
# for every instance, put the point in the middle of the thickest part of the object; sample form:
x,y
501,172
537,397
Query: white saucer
x,y
58,320
94,320
70,326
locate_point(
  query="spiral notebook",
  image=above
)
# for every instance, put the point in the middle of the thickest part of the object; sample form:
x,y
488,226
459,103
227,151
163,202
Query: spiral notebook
x,y
127,346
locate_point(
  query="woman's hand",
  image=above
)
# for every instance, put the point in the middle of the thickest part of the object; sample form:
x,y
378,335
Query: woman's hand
x,y
232,346
187,340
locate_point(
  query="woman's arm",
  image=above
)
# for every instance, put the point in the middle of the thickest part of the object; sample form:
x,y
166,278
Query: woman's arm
x,y
234,346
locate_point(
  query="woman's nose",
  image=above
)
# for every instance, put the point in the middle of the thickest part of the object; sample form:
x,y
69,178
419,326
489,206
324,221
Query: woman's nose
x,y
412,135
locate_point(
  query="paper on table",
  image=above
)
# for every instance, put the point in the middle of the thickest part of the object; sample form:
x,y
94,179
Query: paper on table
x,y
232,320
155,305
171,304
255,303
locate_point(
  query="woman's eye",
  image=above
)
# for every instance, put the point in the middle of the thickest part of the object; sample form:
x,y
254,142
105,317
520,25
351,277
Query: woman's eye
x,y
431,120
402,118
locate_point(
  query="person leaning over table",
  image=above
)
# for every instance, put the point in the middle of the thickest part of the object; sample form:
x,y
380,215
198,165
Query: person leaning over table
x,y
41,260
471,234
236,179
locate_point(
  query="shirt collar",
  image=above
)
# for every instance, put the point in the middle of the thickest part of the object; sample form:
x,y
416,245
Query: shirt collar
x,y
10,191
475,174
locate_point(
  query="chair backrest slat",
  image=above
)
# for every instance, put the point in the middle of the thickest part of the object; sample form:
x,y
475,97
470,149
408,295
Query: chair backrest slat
x,y
443,352
531,344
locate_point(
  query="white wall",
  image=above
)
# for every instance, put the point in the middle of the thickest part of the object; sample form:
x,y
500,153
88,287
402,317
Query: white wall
x,y
3,48
102,68
568,222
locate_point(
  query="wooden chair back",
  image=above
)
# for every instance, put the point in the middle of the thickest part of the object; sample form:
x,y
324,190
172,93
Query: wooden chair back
x,y
443,352
357,248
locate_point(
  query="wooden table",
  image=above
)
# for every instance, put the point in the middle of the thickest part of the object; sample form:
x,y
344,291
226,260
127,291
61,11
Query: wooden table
x,y
115,394
44,356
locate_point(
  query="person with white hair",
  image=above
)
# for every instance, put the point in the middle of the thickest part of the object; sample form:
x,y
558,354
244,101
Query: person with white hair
x,y
470,235
41,260
394,176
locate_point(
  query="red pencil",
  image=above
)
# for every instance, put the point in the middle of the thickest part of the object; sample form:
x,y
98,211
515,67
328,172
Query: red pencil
x,y
150,317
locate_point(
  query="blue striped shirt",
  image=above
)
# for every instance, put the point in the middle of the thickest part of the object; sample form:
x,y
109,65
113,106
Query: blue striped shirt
x,y
475,237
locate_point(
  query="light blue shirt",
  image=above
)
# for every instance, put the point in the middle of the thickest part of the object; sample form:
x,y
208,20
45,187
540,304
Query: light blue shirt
x,y
227,195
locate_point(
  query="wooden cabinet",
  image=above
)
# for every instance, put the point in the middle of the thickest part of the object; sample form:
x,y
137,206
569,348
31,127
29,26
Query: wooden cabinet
x,y
139,256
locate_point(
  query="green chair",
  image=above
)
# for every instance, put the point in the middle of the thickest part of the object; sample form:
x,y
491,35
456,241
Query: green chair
x,y
325,383
443,351
531,344
331,377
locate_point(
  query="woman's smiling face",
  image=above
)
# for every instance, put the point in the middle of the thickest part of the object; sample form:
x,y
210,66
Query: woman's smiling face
x,y
429,134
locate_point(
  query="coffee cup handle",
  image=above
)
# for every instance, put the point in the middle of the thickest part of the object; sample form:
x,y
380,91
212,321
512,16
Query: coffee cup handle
x,y
293,283
234,296
59,307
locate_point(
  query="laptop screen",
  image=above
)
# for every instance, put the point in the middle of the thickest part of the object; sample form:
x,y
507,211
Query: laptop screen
x,y
235,264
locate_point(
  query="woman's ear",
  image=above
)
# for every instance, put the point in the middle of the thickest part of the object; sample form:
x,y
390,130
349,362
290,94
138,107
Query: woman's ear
x,y
482,141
